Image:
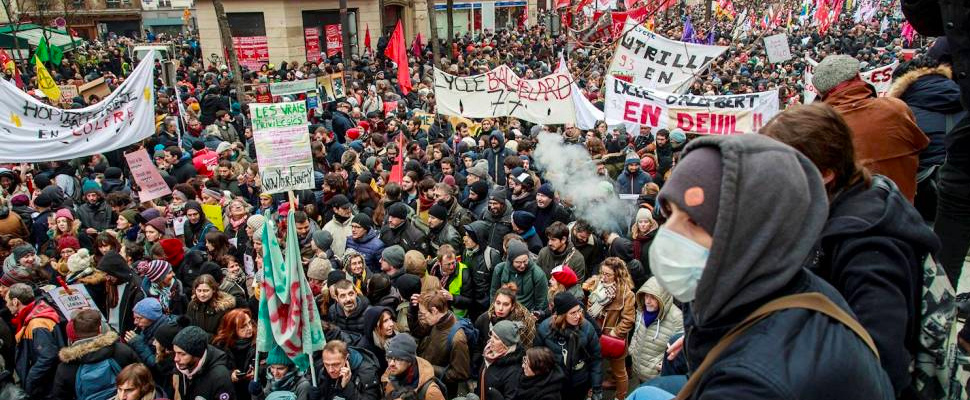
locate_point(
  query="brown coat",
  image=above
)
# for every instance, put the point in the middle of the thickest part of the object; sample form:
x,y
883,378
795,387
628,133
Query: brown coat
x,y
13,226
885,136
453,364
425,373
618,317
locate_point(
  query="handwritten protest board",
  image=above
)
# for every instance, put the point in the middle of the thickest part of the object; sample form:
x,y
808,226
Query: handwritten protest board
x,y
71,302
68,93
500,92
647,59
636,107
282,146
292,87
426,119
213,213
149,180
777,48
880,78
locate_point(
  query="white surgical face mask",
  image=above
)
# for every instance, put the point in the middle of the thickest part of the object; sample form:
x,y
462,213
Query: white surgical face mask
x,y
678,263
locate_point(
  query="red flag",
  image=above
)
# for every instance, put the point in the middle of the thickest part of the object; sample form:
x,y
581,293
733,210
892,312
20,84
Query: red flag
x,y
416,46
367,36
397,170
7,63
397,51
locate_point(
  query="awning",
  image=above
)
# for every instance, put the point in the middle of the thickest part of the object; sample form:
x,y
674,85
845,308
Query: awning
x,y
28,36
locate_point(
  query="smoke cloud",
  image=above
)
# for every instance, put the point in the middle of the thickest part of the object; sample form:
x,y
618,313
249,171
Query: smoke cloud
x,y
573,174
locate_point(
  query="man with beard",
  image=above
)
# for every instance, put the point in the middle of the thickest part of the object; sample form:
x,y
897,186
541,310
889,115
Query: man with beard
x,y
202,370
348,310
499,217
456,281
495,155
182,168
477,201
523,194
400,230
441,232
481,260
409,376
342,121
222,129
632,179
588,244
364,239
95,214
334,149
561,252
304,228
457,216
448,169
665,155
548,210
339,226
226,180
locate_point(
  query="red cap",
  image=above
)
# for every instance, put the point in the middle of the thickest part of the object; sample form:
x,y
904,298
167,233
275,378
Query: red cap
x,y
174,251
565,276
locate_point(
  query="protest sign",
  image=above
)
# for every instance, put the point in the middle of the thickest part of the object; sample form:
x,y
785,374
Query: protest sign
x,y
31,131
282,146
73,299
777,48
426,119
311,37
325,86
647,59
636,106
880,78
213,213
68,93
335,40
337,80
97,87
292,87
146,175
500,92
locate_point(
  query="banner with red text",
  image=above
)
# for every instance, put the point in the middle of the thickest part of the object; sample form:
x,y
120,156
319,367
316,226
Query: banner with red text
x,y
335,42
880,78
637,106
500,92
312,38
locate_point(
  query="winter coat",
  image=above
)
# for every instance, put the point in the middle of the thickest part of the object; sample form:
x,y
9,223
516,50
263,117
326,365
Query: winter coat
x,y
487,320
393,389
872,251
365,383
502,375
340,233
372,317
406,235
548,259
483,269
889,148
212,381
617,318
593,251
546,216
532,283
88,351
11,224
98,216
496,159
353,322
208,315
459,216
126,303
370,246
499,226
541,387
584,366
463,294
445,234
628,183
934,98
38,341
194,265
451,363
648,344
341,123
183,170
622,248
524,202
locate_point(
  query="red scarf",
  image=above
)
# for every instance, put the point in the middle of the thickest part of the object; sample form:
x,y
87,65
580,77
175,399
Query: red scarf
x,y
424,203
21,318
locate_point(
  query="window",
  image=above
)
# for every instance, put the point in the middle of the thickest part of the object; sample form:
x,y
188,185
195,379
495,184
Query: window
x,y
246,24
165,3
112,3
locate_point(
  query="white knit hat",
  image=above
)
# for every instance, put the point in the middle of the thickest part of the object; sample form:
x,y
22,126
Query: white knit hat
x,y
79,261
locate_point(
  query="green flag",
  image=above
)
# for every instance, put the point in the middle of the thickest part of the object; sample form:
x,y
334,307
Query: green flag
x,y
47,52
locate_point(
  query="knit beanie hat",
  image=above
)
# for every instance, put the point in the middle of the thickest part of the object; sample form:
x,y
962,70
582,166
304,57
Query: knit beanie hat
x,y
79,261
319,269
480,188
165,334
546,190
130,215
64,213
192,340
174,250
149,308
112,173
523,220
516,249
44,200
322,239
148,215
19,199
565,276
363,220
158,223
212,193
438,211
335,276
394,255
498,194
403,346
695,186
22,251
507,331
91,187
14,274
398,210
643,214
255,222
834,70
68,242
632,158
677,135
563,302
277,356
154,270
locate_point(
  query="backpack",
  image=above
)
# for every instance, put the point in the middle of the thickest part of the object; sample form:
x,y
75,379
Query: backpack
x,y
935,356
466,325
423,390
96,381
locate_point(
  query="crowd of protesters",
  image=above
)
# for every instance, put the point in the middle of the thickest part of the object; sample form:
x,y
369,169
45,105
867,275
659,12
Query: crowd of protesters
x,y
472,275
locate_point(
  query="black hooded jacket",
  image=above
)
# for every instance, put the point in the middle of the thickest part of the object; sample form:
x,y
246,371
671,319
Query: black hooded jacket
x,y
353,322
212,381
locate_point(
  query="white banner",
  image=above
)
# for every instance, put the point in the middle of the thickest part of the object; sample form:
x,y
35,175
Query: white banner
x,y
282,146
713,115
31,131
880,78
647,59
292,87
777,48
500,92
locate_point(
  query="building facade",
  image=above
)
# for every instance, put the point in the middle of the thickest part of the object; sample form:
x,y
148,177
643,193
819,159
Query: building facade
x,y
88,19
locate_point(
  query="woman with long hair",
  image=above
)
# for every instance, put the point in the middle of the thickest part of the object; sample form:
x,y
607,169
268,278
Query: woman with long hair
x,y
63,223
159,282
641,233
233,278
153,231
505,307
104,243
237,336
379,327
134,382
568,333
612,306
217,245
236,226
365,198
208,303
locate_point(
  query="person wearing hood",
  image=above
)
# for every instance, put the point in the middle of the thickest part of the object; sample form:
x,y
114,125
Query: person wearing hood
x,y
364,240
481,260
726,254
339,226
874,242
349,373
548,211
518,268
622,248
665,155
632,179
379,327
495,155
202,369
95,214
499,217
44,205
38,339
502,355
522,225
89,346
570,334
401,230
114,181
122,291
542,378
657,320
477,198
11,184
196,226
342,121
409,376
560,251
348,308
895,155
11,223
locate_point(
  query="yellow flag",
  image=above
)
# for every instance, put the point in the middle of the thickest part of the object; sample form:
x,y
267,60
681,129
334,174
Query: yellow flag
x,y
46,82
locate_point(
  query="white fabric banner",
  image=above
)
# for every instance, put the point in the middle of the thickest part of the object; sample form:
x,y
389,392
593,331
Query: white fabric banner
x,y
500,92
880,78
638,106
647,59
31,131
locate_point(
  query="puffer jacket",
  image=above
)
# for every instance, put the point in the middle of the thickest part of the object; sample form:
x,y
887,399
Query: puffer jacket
x,y
541,387
98,216
648,344
407,235
444,234
370,246
934,99
355,321
483,268
502,375
584,365
207,315
88,351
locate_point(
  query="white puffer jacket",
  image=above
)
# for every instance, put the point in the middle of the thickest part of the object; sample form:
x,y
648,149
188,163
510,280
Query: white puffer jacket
x,y
648,344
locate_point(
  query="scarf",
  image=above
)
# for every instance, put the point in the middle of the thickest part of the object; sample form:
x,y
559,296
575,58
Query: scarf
x,y
163,294
424,203
286,383
601,297
236,223
111,294
188,374
649,317
21,316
